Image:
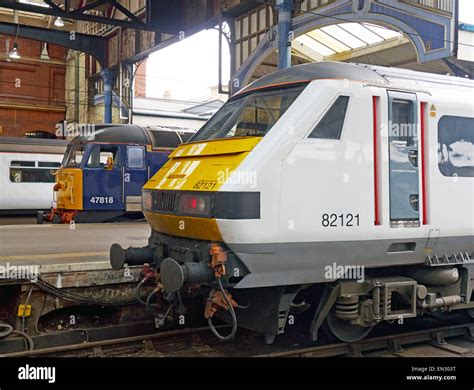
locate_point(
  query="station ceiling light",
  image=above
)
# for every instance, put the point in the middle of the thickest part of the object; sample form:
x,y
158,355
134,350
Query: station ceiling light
x,y
59,22
14,53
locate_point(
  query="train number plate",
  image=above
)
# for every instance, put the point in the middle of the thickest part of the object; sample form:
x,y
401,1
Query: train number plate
x,y
102,200
335,220
204,185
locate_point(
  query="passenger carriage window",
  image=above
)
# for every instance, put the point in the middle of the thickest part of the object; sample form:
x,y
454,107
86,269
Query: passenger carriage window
x,y
330,126
22,164
100,154
456,146
32,172
47,164
135,157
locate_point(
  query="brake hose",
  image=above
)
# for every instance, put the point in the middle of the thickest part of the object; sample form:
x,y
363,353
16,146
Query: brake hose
x,y
5,330
137,292
232,313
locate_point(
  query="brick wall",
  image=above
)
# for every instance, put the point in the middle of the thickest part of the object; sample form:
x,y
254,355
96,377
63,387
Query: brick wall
x,y
32,91
140,80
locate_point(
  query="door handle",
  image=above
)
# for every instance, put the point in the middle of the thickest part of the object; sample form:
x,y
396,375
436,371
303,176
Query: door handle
x,y
413,157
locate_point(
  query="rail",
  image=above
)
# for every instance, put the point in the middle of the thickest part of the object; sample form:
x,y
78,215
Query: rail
x,y
155,343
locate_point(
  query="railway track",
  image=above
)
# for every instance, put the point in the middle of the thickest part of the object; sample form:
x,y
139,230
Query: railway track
x,y
199,341
117,346
391,343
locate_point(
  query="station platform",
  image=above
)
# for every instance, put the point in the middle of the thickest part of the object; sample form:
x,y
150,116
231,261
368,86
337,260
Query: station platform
x,y
73,267
60,245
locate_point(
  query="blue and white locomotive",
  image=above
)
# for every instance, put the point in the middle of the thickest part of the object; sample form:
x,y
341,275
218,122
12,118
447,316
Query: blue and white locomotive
x,y
103,172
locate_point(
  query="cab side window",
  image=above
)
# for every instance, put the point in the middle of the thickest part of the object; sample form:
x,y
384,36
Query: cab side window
x,y
100,154
136,157
331,124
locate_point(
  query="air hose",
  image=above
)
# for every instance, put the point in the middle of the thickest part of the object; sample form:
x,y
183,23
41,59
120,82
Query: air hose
x,y
150,305
232,313
29,341
137,292
5,330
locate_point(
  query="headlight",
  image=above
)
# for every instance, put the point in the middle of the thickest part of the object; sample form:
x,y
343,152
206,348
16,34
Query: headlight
x,y
219,205
194,204
147,200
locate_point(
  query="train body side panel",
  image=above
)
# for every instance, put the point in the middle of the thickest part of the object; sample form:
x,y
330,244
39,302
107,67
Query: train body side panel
x,y
102,189
336,177
450,198
24,195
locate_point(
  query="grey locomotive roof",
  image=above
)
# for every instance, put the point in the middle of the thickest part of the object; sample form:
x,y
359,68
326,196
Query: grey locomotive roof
x,y
114,133
317,70
351,71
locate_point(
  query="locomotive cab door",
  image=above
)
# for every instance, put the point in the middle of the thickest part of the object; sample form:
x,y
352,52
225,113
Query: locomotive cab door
x,y
403,159
102,185
135,175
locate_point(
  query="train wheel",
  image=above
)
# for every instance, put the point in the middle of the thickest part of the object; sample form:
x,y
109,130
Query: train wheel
x,y
344,330
39,217
56,219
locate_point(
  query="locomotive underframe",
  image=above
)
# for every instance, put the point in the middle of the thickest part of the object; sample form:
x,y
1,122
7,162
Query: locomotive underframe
x,y
386,294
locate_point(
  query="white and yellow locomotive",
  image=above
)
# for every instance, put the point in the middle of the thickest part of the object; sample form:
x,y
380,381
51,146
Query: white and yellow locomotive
x,y
342,187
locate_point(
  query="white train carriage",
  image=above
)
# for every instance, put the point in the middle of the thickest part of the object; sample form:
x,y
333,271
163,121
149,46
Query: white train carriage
x,y
347,185
27,167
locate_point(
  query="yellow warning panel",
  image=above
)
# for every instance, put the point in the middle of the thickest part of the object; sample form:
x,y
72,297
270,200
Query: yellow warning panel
x,y
24,310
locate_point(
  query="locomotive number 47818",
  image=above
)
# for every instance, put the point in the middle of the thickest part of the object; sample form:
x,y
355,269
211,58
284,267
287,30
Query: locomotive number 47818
x,y
102,199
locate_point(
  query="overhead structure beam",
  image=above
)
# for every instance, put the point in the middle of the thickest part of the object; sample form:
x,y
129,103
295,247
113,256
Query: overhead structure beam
x,y
79,14
93,45
53,5
127,13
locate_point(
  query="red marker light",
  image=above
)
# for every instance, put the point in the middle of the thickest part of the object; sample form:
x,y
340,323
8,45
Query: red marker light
x,y
194,204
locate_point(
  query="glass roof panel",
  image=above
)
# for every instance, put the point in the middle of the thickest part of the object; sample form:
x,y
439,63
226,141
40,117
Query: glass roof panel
x,y
315,45
384,32
362,32
344,36
38,3
329,41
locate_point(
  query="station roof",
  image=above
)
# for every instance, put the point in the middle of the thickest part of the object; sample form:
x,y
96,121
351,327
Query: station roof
x,y
344,37
370,44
